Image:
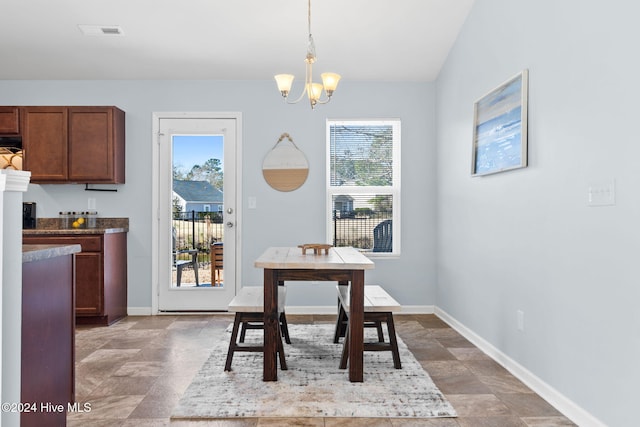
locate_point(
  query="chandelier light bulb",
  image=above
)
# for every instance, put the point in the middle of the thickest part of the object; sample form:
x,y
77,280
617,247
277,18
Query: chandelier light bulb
x,y
314,91
330,82
284,82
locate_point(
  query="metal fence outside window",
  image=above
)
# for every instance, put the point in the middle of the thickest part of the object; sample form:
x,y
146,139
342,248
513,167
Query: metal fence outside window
x,y
197,230
355,228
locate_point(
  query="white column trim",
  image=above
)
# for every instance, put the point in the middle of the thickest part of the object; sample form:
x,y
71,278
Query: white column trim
x,y
13,180
10,181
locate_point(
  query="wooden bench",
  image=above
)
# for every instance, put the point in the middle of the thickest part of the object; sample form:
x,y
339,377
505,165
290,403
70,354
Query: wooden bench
x,y
248,305
378,307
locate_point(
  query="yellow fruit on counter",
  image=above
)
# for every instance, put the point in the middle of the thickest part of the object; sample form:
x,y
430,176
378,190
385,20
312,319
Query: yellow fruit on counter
x,y
80,221
75,224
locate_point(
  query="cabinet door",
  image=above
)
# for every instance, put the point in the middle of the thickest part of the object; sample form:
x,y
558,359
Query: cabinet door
x,y
89,284
89,269
44,139
96,145
9,121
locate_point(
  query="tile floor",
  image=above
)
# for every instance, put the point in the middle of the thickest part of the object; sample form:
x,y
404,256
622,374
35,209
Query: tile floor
x,y
134,372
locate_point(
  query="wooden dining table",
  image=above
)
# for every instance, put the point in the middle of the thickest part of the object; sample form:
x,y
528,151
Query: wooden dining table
x,y
345,265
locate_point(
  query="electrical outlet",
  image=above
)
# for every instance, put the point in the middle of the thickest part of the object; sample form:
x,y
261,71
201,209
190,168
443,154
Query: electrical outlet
x,y
91,203
520,317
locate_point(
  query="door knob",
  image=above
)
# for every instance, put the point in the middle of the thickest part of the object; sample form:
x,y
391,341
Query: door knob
x,y
229,224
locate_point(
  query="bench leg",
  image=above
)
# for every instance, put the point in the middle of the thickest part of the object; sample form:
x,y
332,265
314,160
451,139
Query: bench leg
x,y
232,342
393,341
243,329
284,328
378,326
341,324
283,362
345,351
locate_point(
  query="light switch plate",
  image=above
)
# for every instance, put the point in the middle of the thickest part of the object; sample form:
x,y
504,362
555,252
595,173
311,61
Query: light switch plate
x,y
602,194
252,202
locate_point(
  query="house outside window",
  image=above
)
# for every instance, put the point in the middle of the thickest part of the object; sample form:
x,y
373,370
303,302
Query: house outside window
x,y
363,185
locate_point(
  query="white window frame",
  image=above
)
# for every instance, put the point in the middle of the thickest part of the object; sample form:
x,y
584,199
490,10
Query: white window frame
x,y
394,190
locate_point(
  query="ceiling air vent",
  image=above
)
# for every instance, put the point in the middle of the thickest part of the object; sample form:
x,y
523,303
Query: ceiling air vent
x,y
101,30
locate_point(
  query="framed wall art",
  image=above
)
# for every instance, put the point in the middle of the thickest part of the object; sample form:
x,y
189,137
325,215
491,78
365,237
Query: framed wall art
x,y
500,128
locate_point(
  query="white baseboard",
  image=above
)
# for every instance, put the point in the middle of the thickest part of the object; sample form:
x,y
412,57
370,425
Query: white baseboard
x,y
417,309
146,311
559,401
139,311
312,309
302,309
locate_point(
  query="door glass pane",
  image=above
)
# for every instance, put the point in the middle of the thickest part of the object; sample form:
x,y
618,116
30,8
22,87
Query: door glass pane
x,y
197,207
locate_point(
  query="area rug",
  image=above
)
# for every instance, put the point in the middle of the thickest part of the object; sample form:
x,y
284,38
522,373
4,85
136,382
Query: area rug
x,y
313,386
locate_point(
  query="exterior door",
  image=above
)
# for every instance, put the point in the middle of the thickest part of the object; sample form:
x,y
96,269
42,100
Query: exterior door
x,y
196,216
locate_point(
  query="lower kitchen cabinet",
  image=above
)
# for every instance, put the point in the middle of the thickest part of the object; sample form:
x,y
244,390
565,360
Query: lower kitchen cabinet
x,y
101,274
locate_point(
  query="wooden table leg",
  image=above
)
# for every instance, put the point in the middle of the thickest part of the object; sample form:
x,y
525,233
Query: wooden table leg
x,y
356,327
270,370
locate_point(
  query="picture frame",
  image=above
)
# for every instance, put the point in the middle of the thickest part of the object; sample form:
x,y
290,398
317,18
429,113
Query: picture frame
x,y
500,128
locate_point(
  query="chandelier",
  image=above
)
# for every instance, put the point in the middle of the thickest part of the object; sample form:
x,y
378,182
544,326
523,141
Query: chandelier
x,y
311,89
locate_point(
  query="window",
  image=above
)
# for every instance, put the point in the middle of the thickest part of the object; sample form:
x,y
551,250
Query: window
x,y
363,185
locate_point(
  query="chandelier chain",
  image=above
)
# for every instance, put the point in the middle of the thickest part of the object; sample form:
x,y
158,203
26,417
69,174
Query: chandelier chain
x,y
309,16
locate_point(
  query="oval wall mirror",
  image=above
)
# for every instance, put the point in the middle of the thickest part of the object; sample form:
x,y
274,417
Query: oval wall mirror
x,y
285,167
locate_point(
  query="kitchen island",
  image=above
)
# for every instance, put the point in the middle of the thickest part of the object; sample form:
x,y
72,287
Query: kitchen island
x,y
47,370
101,266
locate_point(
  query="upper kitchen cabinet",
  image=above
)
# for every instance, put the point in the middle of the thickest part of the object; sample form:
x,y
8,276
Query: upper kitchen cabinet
x,y
44,143
74,144
9,121
96,145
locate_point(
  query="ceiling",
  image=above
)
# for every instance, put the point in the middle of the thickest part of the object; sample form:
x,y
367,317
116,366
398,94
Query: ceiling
x,y
365,40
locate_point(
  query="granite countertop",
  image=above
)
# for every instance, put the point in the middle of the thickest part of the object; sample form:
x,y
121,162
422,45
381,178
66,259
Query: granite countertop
x,y
47,226
32,253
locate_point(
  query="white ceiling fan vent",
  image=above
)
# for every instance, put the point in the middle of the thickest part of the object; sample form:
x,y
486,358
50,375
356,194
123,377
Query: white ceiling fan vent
x,y
101,30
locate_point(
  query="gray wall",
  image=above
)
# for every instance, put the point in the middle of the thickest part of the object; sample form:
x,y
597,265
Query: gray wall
x,y
526,240
281,218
